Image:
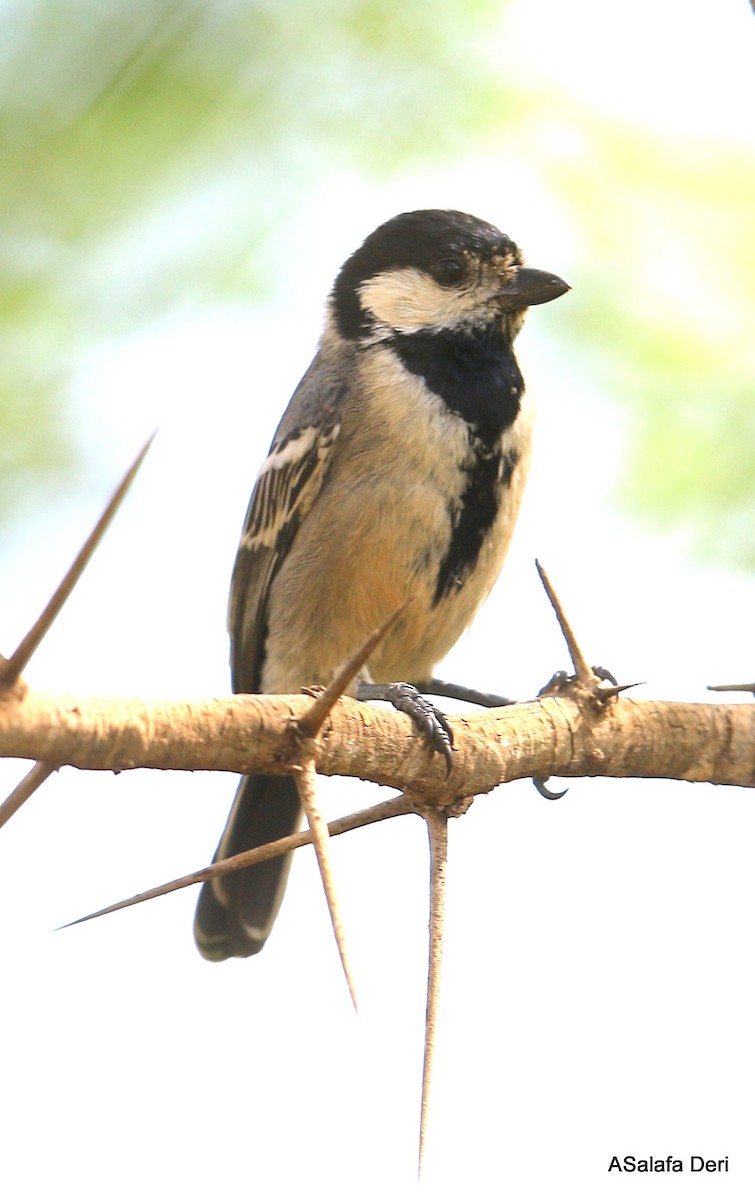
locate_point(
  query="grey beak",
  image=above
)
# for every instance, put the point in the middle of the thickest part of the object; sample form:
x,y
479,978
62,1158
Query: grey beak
x,y
530,287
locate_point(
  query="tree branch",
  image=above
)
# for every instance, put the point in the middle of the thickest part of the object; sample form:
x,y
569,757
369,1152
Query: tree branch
x,y
565,735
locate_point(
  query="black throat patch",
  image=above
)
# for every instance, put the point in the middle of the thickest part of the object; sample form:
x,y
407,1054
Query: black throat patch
x,y
474,372
488,476
477,377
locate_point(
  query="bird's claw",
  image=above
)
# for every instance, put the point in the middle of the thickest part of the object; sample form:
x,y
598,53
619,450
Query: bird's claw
x,y
540,786
605,675
561,680
559,683
430,721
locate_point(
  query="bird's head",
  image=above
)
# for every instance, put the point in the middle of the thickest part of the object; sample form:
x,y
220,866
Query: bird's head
x,y
434,270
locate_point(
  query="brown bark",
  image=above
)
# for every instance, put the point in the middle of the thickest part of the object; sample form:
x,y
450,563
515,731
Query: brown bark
x,y
567,735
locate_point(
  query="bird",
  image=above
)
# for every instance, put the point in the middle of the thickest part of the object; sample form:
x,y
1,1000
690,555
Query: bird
x,y
394,478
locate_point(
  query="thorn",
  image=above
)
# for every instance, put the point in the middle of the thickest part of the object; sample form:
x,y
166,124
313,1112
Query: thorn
x,y
606,693
731,687
310,724
26,788
582,669
437,830
306,782
11,668
398,806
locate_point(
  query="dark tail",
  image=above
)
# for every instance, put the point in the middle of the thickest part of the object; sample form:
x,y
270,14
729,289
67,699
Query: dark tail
x,y
235,912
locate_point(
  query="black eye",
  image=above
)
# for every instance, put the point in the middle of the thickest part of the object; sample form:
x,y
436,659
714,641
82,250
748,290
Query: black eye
x,y
448,271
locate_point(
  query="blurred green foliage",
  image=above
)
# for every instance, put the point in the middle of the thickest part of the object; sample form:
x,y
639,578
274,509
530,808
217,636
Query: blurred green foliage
x,y
150,147
151,151
671,236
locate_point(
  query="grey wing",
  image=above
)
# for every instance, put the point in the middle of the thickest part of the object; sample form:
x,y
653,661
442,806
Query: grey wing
x,y
287,486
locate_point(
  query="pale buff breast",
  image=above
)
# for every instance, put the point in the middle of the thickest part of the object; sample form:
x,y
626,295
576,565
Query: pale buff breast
x,y
375,537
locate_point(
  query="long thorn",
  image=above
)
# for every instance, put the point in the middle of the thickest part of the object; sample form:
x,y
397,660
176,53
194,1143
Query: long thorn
x,y
398,806
437,830
311,723
606,693
26,788
731,687
11,668
306,782
582,669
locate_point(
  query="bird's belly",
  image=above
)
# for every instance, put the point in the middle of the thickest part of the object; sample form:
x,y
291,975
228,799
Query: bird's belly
x,y
374,556
380,534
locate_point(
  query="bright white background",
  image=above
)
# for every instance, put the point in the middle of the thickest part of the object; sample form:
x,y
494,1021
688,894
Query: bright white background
x,y
598,992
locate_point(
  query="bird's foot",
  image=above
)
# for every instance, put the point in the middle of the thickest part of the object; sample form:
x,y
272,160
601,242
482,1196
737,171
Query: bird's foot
x,y
559,683
561,680
427,719
455,691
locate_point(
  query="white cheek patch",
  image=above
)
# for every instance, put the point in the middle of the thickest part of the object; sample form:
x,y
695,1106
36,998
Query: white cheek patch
x,y
409,300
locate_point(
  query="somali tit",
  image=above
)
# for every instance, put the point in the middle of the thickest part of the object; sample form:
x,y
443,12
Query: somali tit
x,y
395,477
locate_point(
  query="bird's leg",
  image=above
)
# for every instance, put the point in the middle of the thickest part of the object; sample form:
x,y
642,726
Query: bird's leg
x,y
427,719
431,722
456,691
562,679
